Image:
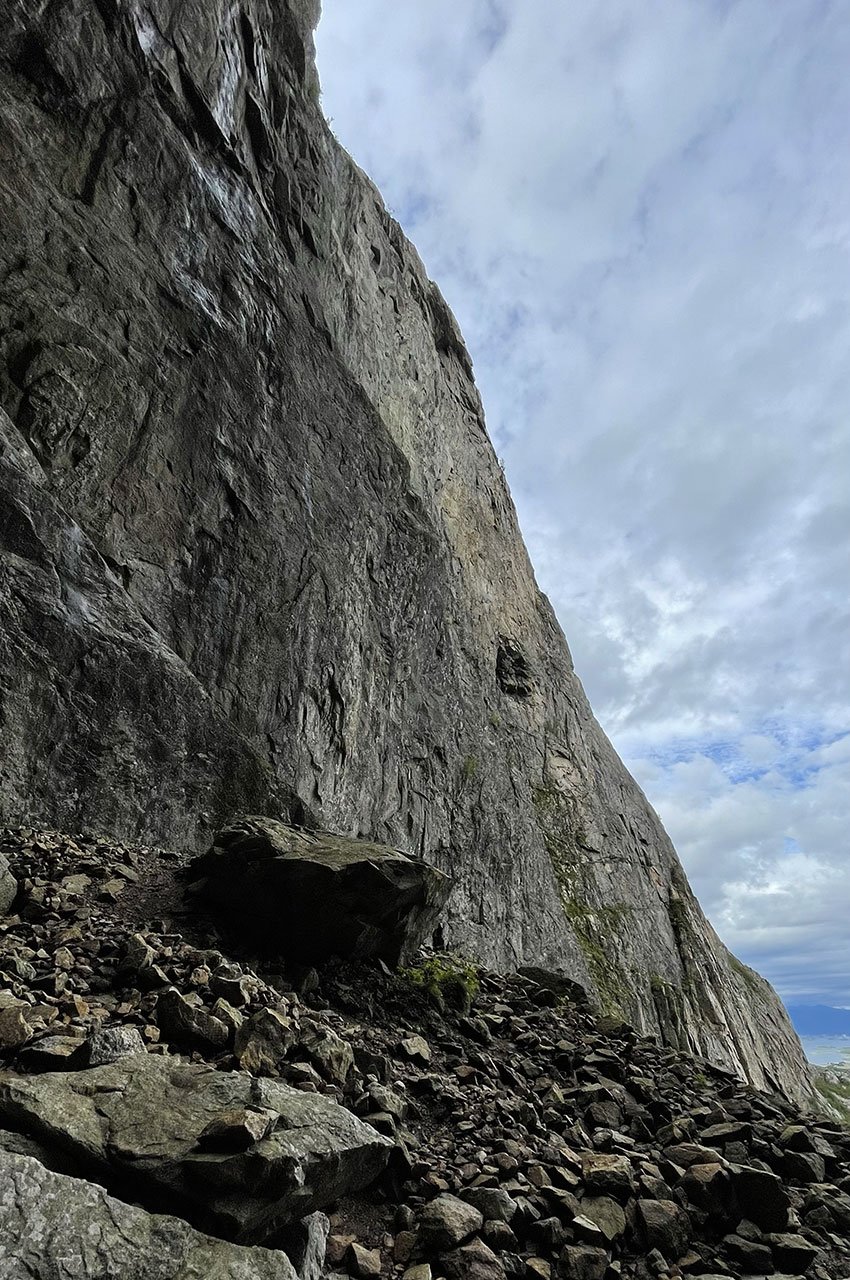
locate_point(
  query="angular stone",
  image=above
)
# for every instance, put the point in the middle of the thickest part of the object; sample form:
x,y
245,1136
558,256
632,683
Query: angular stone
x,y
754,1257
188,1024
141,1119
583,1262
708,1187
447,1221
14,1028
493,1203
665,1226
473,1261
315,895
51,1053
792,1253
8,886
687,1153
108,1044
608,1174
803,1166
46,1218
237,1130
606,1213
332,1056
761,1197
363,1262
421,1271
262,1041
416,1047
305,1244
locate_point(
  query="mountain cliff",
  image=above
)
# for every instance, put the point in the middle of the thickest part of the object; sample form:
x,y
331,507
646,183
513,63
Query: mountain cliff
x,y
257,551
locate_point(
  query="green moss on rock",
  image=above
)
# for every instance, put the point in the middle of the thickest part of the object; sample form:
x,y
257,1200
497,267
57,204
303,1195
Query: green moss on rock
x,y
446,980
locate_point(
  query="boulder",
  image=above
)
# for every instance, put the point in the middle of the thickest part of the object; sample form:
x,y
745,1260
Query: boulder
x,y
311,895
761,1197
666,1227
53,1226
446,1222
108,1044
792,1253
8,886
473,1261
189,1024
610,1175
144,1124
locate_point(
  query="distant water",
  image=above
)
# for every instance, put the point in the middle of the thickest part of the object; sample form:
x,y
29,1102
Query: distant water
x,y
825,1051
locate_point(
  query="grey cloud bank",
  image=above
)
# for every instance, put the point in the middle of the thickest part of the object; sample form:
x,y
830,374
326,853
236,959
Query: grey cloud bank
x,y
639,215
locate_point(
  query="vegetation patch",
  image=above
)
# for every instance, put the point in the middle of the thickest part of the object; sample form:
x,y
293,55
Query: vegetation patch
x,y
448,981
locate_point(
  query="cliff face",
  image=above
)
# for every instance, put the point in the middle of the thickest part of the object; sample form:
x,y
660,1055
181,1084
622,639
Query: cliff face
x,y
257,551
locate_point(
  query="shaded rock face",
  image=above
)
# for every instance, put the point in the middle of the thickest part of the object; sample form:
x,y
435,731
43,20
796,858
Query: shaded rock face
x,y
256,552
315,895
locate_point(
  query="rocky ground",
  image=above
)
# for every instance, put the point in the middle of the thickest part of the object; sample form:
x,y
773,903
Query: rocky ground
x,y
341,1115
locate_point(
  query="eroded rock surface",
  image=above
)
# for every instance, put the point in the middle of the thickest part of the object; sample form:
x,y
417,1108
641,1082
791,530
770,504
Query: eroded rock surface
x,y
147,1124
52,1226
256,551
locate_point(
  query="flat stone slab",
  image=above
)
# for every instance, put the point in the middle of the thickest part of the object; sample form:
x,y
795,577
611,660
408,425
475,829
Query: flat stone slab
x,y
138,1126
312,895
53,1226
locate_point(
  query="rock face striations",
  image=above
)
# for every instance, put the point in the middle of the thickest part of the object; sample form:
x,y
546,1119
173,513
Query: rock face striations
x,y
256,552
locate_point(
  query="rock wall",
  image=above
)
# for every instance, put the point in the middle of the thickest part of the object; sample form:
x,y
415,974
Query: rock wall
x,y
257,551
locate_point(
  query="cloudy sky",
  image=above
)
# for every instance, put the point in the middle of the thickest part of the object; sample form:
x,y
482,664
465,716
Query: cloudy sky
x,y
640,213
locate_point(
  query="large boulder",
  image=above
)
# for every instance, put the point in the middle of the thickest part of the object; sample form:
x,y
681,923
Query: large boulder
x,y
143,1125
311,894
53,1226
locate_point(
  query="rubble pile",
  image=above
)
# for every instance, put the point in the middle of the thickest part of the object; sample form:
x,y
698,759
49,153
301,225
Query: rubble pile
x,y
466,1125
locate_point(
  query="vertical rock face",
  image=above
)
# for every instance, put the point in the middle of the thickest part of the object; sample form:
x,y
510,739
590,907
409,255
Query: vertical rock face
x,y
257,551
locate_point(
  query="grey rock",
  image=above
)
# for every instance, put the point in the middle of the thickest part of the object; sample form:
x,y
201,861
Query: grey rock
x,y
473,1261
583,1262
189,1024
608,1174
792,1252
257,552
262,1041
495,1205
8,886
313,895
665,1226
14,1028
237,1130
50,1222
332,1056
139,1121
761,1197
305,1244
108,1044
446,1222
606,1213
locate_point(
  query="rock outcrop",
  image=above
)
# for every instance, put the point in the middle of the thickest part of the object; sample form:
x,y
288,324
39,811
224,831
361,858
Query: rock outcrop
x,y
177,1134
256,551
52,1226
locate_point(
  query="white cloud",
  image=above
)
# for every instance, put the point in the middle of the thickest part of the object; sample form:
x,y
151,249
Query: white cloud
x,y
639,214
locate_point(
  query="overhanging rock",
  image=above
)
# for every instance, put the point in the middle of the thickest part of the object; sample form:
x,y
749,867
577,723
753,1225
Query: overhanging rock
x,y
311,895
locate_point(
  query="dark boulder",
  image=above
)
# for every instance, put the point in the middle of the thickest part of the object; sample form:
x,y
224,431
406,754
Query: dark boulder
x,y
311,895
